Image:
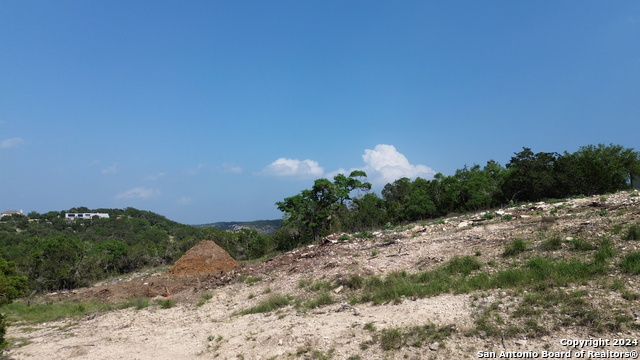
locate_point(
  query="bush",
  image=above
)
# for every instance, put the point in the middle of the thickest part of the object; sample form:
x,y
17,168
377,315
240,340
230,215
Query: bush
x,y
3,331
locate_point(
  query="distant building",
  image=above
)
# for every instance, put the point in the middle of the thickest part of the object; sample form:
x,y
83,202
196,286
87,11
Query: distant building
x,y
11,212
73,216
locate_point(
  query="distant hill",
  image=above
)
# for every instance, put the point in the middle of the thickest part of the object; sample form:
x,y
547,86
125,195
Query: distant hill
x,y
264,227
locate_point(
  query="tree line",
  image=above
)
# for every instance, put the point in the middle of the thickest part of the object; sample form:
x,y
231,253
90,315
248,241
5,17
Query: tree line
x,y
328,206
46,252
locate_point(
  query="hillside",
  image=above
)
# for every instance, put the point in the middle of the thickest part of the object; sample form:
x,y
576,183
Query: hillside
x,y
263,227
516,279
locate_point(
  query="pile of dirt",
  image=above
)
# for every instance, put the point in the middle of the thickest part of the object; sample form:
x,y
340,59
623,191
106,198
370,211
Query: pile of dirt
x,y
204,258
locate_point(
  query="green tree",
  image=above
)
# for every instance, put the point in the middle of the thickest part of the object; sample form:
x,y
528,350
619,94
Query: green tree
x,y
12,286
53,263
531,177
368,212
598,169
312,211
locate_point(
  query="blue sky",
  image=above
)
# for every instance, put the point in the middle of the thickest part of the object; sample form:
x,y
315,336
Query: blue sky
x,y
208,111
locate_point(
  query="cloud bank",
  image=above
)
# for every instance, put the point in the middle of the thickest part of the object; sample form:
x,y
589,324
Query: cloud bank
x,y
294,168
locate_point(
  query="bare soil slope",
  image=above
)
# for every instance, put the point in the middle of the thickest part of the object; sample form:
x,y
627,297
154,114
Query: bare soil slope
x,y
195,328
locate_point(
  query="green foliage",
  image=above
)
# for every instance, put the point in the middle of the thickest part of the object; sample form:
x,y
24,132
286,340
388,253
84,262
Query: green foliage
x,y
51,253
604,252
12,286
462,265
3,331
582,244
514,248
166,303
552,243
311,212
631,263
29,312
273,302
323,298
416,336
633,233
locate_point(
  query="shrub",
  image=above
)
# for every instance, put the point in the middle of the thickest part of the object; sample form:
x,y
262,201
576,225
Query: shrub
x,y
3,331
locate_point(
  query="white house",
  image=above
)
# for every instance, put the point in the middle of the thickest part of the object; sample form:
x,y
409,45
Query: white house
x,y
11,212
73,216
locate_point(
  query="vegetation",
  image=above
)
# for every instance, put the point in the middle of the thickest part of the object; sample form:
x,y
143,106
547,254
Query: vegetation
x,y
45,252
328,206
273,302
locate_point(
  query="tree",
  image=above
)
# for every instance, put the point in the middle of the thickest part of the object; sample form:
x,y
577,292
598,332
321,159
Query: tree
x,y
12,286
368,212
598,169
312,211
531,177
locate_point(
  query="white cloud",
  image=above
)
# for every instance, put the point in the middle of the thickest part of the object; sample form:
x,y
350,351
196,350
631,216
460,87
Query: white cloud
x,y
231,169
196,170
138,192
13,142
384,164
294,167
155,176
111,169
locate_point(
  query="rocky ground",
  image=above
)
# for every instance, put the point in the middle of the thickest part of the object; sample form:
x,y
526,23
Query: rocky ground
x,y
205,320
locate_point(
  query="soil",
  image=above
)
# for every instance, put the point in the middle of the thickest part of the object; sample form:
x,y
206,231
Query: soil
x,y
200,327
206,257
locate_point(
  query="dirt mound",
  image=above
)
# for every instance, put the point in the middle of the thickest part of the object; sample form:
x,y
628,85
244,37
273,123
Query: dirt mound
x,y
204,258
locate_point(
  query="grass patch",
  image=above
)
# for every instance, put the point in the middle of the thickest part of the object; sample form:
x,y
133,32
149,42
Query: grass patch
x,y
631,263
464,275
581,244
415,336
204,297
138,303
22,312
633,233
166,303
514,248
273,302
249,280
322,299
364,235
551,244
605,251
